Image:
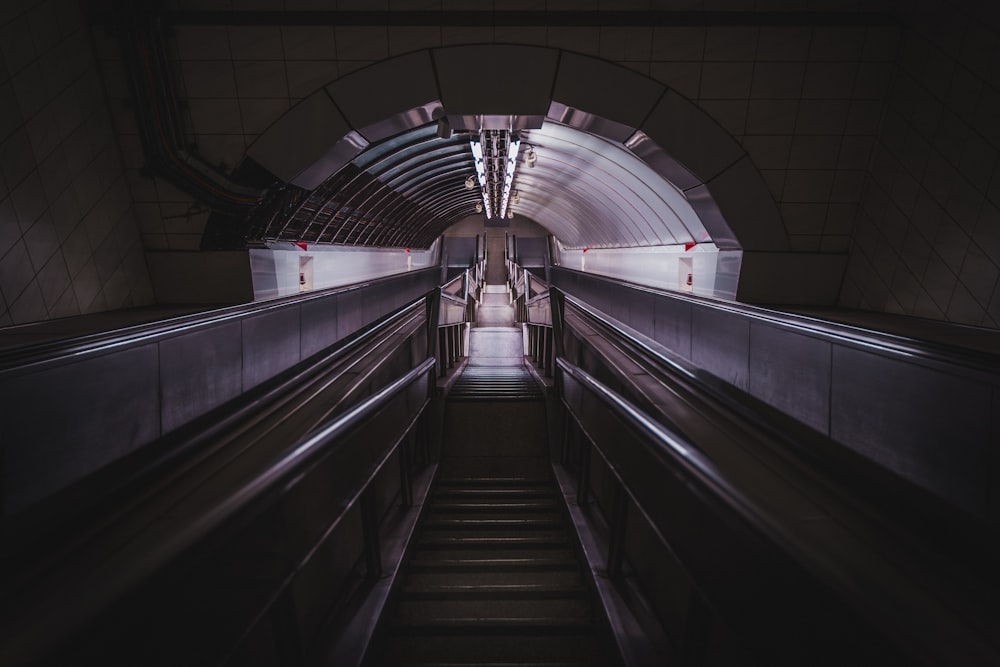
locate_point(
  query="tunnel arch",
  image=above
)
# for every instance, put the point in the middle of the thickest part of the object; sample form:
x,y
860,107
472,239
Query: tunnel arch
x,y
679,141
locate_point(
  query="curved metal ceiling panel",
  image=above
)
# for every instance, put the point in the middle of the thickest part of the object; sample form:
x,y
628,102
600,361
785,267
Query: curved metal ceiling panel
x,y
407,189
647,210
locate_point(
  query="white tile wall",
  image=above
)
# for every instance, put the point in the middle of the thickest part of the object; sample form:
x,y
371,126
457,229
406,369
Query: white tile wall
x,y
59,166
913,189
936,162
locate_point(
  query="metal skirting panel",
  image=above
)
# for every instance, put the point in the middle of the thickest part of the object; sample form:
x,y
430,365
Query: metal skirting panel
x,y
70,414
924,416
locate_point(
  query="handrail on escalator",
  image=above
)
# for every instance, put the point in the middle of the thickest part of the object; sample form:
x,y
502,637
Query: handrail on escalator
x,y
930,352
913,506
36,625
897,598
95,342
112,482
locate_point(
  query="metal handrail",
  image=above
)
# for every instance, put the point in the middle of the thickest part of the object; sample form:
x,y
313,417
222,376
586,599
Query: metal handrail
x,y
916,607
83,598
928,352
836,461
105,341
287,383
448,287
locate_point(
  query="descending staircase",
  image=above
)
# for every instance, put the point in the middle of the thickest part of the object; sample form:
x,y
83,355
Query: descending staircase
x,y
494,576
494,580
495,383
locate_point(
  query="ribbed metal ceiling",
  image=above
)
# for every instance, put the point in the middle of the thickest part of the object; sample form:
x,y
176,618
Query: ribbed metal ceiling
x,y
589,191
405,191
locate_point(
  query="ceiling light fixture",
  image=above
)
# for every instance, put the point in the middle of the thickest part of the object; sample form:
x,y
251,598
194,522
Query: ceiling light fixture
x,y
531,157
470,182
508,178
495,156
478,158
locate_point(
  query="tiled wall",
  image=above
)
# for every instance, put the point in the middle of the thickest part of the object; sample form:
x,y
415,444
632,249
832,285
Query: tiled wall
x,y
928,235
906,187
804,102
68,237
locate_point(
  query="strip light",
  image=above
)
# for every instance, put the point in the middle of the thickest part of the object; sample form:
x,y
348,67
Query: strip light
x,y
477,156
508,178
493,167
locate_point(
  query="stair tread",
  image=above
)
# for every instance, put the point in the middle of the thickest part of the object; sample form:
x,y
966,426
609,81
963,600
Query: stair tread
x,y
460,552
493,578
493,542
443,564
526,492
496,591
489,664
431,580
494,506
468,648
472,482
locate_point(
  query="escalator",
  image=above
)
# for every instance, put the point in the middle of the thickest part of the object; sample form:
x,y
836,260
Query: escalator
x,y
494,575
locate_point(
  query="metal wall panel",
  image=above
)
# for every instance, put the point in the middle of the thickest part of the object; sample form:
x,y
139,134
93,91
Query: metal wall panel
x,y
928,426
931,422
720,344
642,313
791,372
350,315
69,420
64,420
271,344
199,371
318,322
672,325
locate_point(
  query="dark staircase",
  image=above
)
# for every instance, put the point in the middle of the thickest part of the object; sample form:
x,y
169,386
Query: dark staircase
x,y
494,576
495,383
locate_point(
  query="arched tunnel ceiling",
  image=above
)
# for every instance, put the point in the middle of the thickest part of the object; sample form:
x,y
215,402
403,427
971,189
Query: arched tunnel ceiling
x,y
406,190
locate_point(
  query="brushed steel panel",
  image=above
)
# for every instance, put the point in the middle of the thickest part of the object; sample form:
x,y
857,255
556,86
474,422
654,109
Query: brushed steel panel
x,y
672,325
720,344
791,372
199,371
271,344
927,426
318,325
65,422
350,313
